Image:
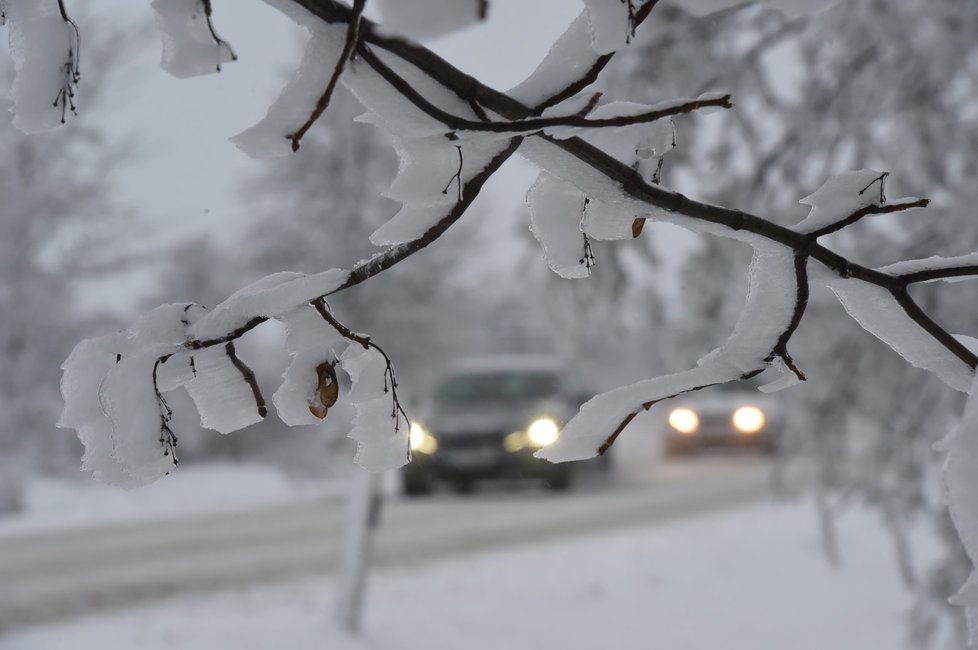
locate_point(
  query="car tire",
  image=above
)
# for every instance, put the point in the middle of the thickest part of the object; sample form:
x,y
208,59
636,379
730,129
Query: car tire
x,y
464,486
559,479
677,450
416,483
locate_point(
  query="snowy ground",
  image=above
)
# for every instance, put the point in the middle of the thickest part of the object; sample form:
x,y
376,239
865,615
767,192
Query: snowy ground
x,y
751,578
214,487
53,504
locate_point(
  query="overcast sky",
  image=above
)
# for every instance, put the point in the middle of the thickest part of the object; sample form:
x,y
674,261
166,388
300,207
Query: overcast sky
x,y
186,176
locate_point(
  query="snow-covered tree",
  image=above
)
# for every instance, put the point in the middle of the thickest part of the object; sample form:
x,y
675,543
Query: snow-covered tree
x,y
600,179
56,218
824,105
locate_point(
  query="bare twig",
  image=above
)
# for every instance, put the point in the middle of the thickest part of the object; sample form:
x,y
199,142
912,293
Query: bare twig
x,y
168,439
249,378
869,210
72,70
221,43
390,379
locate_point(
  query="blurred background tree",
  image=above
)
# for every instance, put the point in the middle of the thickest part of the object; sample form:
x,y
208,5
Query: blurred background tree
x,y
867,84
60,231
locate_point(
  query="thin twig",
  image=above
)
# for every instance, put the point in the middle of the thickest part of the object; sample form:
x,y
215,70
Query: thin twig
x,y
249,378
352,35
168,439
868,210
221,43
390,379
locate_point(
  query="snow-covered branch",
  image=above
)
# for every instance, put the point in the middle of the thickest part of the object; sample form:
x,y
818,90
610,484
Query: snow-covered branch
x,y
600,164
420,97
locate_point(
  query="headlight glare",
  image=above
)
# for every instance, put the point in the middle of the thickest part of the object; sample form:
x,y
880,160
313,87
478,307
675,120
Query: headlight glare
x,y
422,441
543,432
684,420
748,419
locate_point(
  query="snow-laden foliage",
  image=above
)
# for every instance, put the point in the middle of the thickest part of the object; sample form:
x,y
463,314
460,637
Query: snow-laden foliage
x,y
310,384
961,483
272,136
114,386
881,314
600,160
191,47
44,45
552,202
379,427
430,180
422,19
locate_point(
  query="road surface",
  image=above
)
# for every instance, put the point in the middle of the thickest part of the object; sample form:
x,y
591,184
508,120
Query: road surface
x,y
50,574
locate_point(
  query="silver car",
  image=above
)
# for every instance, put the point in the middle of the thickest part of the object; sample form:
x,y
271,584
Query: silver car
x,y
734,414
486,418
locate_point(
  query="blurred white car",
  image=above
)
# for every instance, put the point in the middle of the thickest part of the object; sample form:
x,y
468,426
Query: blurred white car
x,y
734,414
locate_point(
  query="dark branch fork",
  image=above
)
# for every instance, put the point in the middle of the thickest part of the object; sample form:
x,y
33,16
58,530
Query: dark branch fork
x,y
248,376
72,67
220,42
168,439
523,119
390,379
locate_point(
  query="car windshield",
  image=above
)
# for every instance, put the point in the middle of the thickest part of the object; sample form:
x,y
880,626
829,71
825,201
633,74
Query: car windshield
x,y
497,387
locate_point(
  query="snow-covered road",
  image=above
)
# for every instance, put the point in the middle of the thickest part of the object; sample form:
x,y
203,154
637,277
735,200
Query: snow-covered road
x,y
53,573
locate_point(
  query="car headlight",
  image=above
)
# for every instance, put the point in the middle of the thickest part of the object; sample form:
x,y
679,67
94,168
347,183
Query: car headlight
x,y
748,419
422,441
543,432
684,420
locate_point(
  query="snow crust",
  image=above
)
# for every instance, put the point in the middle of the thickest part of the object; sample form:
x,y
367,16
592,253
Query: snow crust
x,y
310,341
961,484
110,399
223,398
772,294
81,383
935,263
792,8
431,174
390,109
787,378
424,19
41,43
878,312
271,137
380,430
609,25
189,48
556,211
108,382
129,402
570,57
270,296
839,197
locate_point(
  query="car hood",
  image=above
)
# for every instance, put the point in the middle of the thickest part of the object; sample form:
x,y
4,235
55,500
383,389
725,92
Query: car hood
x,y
722,403
484,417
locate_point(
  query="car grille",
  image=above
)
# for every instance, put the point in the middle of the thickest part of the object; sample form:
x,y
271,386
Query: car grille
x,y
493,439
716,421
